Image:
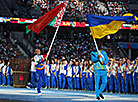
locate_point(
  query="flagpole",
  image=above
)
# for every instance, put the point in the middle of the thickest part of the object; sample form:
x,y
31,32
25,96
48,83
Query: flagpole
x,y
97,46
54,36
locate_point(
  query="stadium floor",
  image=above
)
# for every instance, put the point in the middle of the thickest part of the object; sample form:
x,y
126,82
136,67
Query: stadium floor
x,y
24,94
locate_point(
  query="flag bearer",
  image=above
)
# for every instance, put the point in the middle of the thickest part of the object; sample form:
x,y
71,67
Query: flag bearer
x,y
99,67
40,69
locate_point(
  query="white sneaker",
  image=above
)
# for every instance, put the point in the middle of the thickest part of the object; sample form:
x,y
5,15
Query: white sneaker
x,y
28,87
40,94
36,89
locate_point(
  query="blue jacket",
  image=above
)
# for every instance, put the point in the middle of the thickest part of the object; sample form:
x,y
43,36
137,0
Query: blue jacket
x,y
96,61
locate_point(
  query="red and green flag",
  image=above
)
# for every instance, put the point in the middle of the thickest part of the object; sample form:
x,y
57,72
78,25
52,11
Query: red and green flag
x,y
51,18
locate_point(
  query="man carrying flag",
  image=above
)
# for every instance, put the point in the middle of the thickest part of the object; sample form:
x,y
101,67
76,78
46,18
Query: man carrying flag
x,y
52,18
101,26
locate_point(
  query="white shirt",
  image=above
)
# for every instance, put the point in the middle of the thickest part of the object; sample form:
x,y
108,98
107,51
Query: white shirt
x,y
69,70
47,70
37,58
33,69
4,69
1,65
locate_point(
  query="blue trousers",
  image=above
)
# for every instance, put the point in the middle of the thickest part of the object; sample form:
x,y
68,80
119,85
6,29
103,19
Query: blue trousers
x,y
136,82
11,79
47,82
128,79
34,79
40,79
120,82
3,79
76,83
88,83
91,84
0,78
113,81
8,80
62,81
70,82
57,80
100,74
108,84
83,82
53,80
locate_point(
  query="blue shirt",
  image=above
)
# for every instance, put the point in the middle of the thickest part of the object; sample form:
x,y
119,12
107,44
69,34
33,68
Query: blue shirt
x,y
96,61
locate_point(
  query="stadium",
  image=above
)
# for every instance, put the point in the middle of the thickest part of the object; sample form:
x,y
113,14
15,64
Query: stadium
x,y
68,50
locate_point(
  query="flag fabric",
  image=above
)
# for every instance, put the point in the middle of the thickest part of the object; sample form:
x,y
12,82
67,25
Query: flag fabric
x,y
51,18
101,26
27,30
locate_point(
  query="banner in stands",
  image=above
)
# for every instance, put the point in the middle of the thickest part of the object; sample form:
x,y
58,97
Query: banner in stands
x,y
63,23
128,45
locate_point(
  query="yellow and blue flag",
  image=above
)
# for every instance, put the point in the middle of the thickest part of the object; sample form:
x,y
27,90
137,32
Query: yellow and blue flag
x,y
101,26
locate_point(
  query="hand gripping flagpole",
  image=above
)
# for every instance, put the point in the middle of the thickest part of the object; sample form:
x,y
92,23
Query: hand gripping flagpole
x,y
55,33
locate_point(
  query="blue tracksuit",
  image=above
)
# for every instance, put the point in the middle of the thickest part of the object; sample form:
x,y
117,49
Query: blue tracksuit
x,y
62,73
128,78
53,79
57,77
76,74
47,75
1,65
69,76
100,71
136,79
9,76
120,80
0,78
113,80
83,79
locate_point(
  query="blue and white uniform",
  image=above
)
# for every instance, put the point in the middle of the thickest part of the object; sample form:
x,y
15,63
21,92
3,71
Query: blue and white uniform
x,y
47,74
83,79
69,76
53,79
113,80
76,76
33,75
1,65
128,77
136,78
62,73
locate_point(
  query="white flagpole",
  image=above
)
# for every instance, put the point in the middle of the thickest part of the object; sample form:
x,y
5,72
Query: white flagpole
x,y
54,36
97,48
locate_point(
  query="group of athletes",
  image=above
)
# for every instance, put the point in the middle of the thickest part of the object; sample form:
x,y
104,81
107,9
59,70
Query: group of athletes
x,y
98,74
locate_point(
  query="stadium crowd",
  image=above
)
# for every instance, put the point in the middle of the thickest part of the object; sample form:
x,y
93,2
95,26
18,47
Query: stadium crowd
x,y
77,9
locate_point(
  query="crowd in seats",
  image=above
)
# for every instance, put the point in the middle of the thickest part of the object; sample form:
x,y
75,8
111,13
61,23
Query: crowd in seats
x,y
76,10
77,48
7,49
117,7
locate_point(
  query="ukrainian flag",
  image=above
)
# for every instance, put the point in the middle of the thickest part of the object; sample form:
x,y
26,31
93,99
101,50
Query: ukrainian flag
x,y
101,26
